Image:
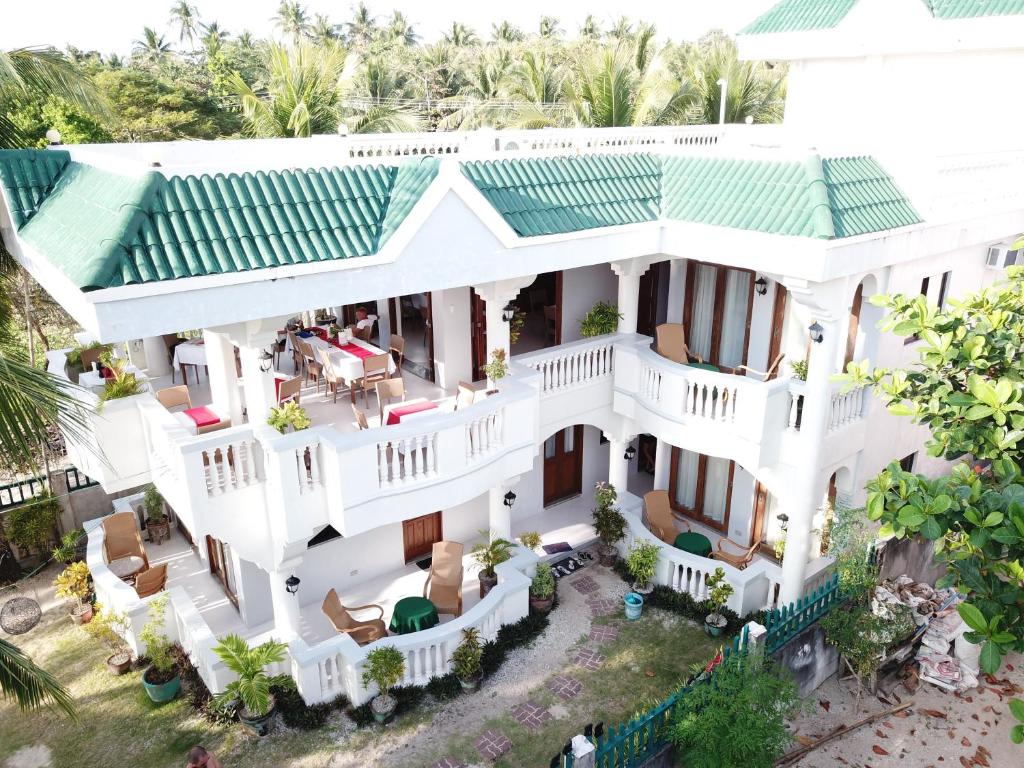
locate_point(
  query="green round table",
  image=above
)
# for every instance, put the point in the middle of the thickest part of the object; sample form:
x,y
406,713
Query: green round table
x,y
694,543
413,614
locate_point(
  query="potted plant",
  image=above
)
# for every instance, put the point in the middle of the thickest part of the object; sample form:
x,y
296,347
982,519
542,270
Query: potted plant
x,y
73,583
799,369
385,667
467,660
489,555
530,539
160,679
251,690
333,330
109,628
542,589
642,562
120,383
609,524
719,592
497,368
288,417
601,319
72,546
157,524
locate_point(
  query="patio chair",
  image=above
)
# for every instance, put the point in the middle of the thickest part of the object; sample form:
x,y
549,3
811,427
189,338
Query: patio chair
x,y
740,560
465,396
375,368
297,359
171,340
365,333
764,375
151,580
290,389
360,418
660,520
215,427
387,391
362,632
444,580
92,355
550,324
398,352
670,343
332,381
314,369
172,397
121,538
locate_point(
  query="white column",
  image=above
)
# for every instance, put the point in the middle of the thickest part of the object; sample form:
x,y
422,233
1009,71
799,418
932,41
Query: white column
x,y
496,295
287,619
259,386
807,489
662,465
383,324
220,359
157,362
499,515
618,467
629,272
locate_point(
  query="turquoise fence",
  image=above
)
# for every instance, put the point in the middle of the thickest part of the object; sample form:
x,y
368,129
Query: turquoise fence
x,y
785,623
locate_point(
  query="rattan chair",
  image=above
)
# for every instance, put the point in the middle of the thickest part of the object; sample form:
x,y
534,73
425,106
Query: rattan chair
x,y
670,342
173,397
388,390
121,538
660,519
362,632
151,580
739,559
444,580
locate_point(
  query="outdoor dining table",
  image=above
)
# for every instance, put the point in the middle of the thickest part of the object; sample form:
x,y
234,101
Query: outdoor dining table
x,y
413,614
694,543
192,352
346,357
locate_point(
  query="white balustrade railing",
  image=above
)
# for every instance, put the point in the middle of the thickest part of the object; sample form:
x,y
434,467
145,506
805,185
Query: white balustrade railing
x,y
549,139
407,459
847,407
485,434
231,458
797,394
569,365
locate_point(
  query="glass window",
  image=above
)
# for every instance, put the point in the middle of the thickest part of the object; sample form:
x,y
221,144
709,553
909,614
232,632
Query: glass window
x,y
716,489
731,345
686,479
549,448
569,439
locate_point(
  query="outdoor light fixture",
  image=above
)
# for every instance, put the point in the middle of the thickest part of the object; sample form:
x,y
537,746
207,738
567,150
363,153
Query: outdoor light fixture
x,y
761,286
630,453
53,137
510,499
817,332
266,360
508,313
784,519
291,584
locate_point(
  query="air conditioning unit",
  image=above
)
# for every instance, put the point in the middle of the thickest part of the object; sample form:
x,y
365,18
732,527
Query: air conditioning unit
x,y
1002,256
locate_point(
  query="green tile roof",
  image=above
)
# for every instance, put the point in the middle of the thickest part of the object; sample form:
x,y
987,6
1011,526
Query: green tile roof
x,y
863,197
104,229
971,9
543,196
799,16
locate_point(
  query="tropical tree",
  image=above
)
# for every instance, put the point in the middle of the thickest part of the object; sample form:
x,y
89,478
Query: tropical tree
x,y
213,39
291,19
460,35
487,82
591,28
537,84
549,27
363,28
507,32
622,29
245,40
151,47
376,96
185,16
323,31
400,30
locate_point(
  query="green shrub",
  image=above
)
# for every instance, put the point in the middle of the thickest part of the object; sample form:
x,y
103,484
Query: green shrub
x,y
290,414
642,562
530,540
445,687
32,525
799,369
466,658
497,368
153,503
67,549
601,319
385,667
543,584
609,524
159,650
295,713
491,554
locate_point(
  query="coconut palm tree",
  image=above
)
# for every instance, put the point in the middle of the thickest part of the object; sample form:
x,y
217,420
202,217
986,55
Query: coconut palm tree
x,y
185,16
537,85
30,686
323,30
621,30
487,81
151,47
245,40
400,30
363,27
291,20
213,38
507,32
460,35
591,28
375,97
549,27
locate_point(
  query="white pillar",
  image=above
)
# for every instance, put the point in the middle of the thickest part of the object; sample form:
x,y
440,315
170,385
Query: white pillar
x,y
157,362
807,489
629,272
496,295
498,514
287,619
618,467
383,324
259,386
662,465
136,353
220,359
676,290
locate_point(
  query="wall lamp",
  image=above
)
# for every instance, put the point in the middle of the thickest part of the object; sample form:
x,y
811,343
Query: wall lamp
x,y
761,286
510,499
817,332
266,360
509,312
784,520
630,453
291,584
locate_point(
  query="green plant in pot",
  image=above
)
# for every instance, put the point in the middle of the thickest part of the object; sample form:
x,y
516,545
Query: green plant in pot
x,y
73,583
71,547
719,592
642,563
488,556
497,368
120,383
109,628
530,539
157,524
334,330
385,666
542,589
160,679
601,319
251,690
467,660
609,524
289,417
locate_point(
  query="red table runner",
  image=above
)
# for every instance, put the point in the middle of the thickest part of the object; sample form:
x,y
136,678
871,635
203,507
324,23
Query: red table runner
x,y
395,414
202,416
319,332
354,349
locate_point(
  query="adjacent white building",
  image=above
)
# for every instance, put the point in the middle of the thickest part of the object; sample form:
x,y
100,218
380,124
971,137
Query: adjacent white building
x,y
898,169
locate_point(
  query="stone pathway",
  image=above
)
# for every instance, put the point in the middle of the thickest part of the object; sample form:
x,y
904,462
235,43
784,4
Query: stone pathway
x,y
492,745
531,714
603,633
588,658
565,687
585,585
603,606
448,762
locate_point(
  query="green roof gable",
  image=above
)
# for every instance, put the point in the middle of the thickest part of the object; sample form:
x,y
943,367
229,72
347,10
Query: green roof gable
x,y
863,197
27,178
799,16
104,230
972,9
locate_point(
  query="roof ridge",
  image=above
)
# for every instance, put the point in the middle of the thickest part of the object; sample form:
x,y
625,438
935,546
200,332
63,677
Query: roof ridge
x,y
822,213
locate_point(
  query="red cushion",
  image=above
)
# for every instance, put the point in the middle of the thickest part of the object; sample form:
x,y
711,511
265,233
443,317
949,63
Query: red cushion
x,y
395,414
202,416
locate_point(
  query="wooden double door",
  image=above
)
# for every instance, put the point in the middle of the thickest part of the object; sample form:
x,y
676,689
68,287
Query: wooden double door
x,y
563,465
220,567
420,534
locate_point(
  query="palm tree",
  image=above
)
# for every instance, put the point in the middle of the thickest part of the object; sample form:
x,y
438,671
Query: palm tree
x,y
363,27
323,30
507,32
538,83
590,29
460,35
549,27
31,686
185,16
292,20
151,48
246,41
488,81
401,30
214,38
622,29
375,98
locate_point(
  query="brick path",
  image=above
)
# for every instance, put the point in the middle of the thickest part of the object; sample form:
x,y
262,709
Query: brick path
x,y
565,687
588,658
586,585
603,633
530,714
603,606
448,762
492,745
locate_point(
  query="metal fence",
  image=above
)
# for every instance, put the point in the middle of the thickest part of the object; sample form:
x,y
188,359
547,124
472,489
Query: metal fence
x,y
25,490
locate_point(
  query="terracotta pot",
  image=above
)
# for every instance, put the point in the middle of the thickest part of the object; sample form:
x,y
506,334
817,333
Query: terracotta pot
x,y
119,663
541,605
82,614
607,556
159,531
487,583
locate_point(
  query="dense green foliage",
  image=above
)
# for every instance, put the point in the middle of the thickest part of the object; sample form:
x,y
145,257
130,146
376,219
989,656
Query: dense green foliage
x,y
32,525
251,687
601,319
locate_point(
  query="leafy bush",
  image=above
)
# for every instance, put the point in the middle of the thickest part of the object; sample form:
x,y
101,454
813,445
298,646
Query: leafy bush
x,y
252,686
738,719
109,628
609,524
466,658
445,687
862,636
799,369
530,540
491,554
32,525
497,368
643,561
543,584
73,582
159,650
153,503
295,713
719,592
67,549
385,667
199,696
290,414
122,384
601,319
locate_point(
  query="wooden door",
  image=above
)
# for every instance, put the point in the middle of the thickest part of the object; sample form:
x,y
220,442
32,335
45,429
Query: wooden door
x,y
854,327
428,320
647,306
778,324
717,312
420,534
563,465
478,334
220,567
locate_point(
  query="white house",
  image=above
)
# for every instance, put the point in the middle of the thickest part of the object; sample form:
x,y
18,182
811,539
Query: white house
x,y
898,169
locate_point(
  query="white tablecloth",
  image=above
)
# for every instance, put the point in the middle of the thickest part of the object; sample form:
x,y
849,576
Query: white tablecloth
x,y
189,354
349,367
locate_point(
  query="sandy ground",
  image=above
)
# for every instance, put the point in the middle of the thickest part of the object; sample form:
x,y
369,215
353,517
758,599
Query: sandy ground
x,y
940,729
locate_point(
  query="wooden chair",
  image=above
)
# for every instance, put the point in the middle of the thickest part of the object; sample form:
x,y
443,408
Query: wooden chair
x,y
764,375
375,368
465,395
365,333
398,352
551,324
670,342
171,340
121,538
290,389
425,315
741,559
362,632
660,519
297,359
172,397
444,579
314,369
92,355
387,391
151,580
360,418
332,381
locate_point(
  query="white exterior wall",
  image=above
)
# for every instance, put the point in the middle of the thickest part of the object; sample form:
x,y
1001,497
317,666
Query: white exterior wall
x,y
452,351
582,288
